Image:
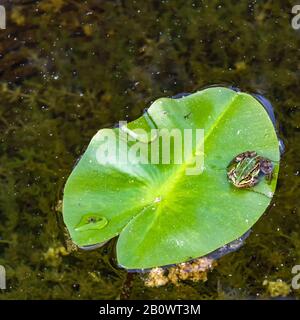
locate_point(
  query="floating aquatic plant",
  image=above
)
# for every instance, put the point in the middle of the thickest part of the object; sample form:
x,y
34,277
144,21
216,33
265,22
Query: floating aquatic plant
x,y
161,214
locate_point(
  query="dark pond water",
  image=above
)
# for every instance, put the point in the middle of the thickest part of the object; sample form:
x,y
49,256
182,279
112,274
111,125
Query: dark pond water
x,y
69,68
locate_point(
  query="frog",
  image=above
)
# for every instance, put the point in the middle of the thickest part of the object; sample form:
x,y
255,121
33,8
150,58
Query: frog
x,y
244,170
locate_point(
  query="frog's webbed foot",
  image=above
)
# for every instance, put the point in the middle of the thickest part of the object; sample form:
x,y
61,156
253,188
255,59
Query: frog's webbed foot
x,y
269,177
266,167
254,182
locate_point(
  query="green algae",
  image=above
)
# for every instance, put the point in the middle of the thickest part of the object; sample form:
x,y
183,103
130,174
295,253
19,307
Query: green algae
x,y
76,67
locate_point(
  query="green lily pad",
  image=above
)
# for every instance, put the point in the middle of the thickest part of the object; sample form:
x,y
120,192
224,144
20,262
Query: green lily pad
x,y
161,214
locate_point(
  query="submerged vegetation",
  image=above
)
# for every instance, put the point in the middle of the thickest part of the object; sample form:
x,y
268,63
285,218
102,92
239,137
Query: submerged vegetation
x,y
69,68
195,271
